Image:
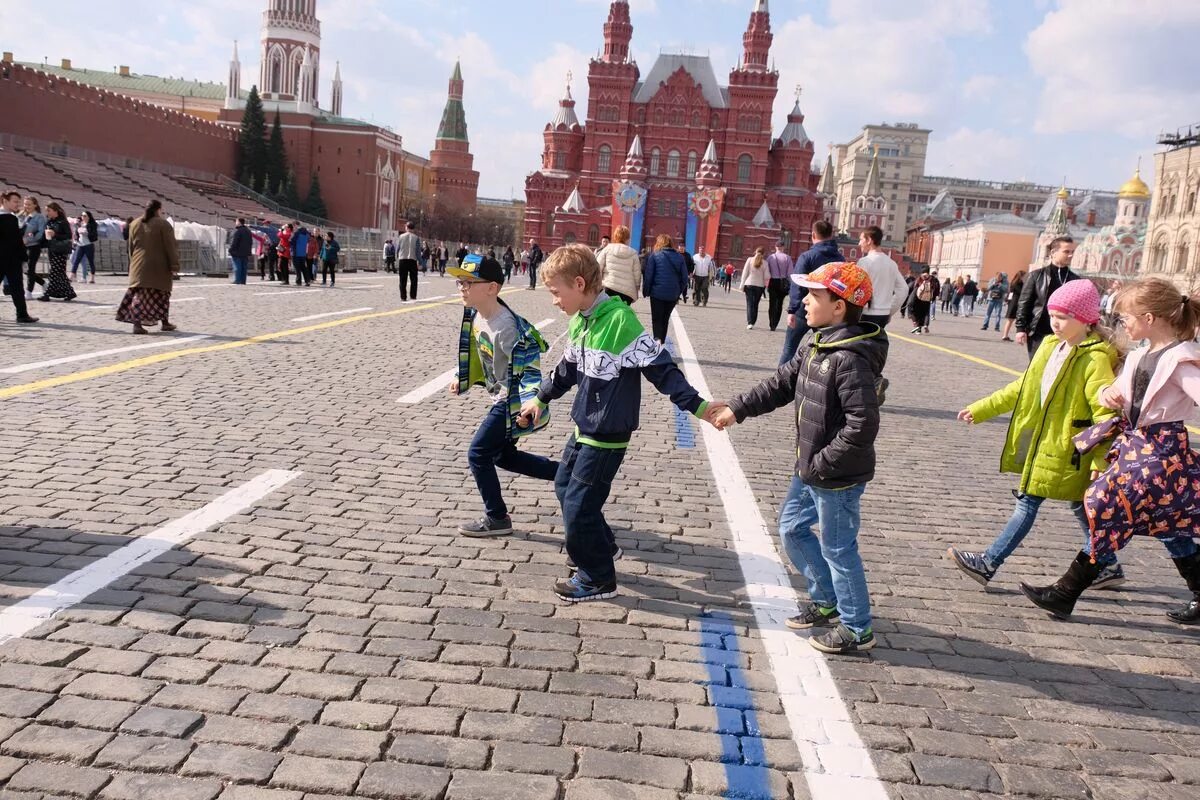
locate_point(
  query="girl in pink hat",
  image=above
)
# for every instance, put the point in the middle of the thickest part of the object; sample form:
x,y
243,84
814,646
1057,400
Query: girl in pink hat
x,y
1055,399
1152,484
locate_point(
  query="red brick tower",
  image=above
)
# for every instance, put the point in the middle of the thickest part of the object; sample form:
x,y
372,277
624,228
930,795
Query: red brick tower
x,y
454,184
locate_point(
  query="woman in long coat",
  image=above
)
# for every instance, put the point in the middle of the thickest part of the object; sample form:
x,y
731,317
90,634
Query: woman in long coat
x,y
1014,299
58,244
153,264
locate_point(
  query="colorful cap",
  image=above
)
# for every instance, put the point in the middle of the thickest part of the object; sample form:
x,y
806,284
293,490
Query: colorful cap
x,y
846,279
1078,299
478,268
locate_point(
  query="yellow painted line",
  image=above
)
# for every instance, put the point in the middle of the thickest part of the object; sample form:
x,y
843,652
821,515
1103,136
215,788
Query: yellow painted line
x,y
158,358
982,361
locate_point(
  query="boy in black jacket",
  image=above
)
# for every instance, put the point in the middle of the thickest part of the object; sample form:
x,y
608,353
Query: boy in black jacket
x,y
831,380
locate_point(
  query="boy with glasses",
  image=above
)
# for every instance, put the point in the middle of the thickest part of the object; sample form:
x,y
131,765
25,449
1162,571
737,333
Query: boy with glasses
x,y
501,351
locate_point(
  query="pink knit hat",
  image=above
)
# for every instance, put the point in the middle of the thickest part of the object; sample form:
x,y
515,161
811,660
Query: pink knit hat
x,y
1077,298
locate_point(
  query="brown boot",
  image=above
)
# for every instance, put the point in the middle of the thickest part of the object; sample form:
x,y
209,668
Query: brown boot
x,y
166,326
1189,568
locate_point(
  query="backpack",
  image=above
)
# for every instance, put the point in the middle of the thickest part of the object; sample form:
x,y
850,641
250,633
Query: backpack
x,y
925,291
997,292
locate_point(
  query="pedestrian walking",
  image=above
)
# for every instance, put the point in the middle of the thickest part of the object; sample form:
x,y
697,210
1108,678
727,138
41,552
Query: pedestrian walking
x,y
621,267
1060,387
330,249
389,256
701,276
58,247
312,256
86,235
408,248
779,273
12,253
1014,298
284,252
153,265
300,239
241,245
535,259
753,285
664,276
1155,395
727,276
997,291
824,250
919,300
1033,318
888,292
33,233
509,260
947,296
970,294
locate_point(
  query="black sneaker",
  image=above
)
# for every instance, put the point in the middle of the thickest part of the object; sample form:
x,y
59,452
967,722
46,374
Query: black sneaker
x,y
575,590
814,616
841,640
1110,577
881,387
616,557
973,564
486,526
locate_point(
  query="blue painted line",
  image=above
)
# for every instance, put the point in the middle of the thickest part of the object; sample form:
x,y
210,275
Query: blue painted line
x,y
743,754
685,434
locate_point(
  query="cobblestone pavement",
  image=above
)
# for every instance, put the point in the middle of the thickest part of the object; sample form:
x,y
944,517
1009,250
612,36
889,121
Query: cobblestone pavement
x,y
338,638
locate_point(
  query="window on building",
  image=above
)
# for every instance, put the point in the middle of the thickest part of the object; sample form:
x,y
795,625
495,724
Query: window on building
x,y
560,160
1182,254
696,119
655,157
741,201
604,162
744,164
691,167
593,235
658,116
601,190
677,117
714,120
736,248
641,116
791,176
1191,202
673,164
749,123
1158,256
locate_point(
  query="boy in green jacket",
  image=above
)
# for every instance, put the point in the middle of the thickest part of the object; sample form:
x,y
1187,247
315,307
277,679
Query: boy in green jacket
x,y
1056,398
607,354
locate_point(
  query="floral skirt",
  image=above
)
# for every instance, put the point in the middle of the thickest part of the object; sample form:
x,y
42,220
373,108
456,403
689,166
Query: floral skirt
x,y
144,306
57,285
1151,488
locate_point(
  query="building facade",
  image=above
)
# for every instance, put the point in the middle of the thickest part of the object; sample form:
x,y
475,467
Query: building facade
x,y
983,248
676,153
1116,250
1174,220
454,183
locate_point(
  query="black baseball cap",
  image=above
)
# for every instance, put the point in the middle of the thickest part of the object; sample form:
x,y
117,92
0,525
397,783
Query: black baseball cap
x,y
479,268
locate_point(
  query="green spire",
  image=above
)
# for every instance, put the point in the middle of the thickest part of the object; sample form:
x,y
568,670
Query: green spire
x,y
454,118
457,76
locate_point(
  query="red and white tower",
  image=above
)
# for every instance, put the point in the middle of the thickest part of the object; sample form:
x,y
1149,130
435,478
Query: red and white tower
x,y
756,41
453,181
290,34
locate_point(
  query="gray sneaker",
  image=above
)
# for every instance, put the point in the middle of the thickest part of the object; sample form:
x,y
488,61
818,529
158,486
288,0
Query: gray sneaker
x,y
486,526
973,564
1110,577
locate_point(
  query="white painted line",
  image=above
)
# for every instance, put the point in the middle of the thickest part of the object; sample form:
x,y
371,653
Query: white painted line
x,y
178,285
427,299
435,385
365,286
837,765
331,314
280,294
20,618
54,362
187,300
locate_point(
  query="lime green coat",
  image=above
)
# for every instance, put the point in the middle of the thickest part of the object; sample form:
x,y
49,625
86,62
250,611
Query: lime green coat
x,y
1038,446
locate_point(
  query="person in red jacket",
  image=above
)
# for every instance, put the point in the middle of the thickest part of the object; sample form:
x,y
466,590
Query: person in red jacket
x,y
285,252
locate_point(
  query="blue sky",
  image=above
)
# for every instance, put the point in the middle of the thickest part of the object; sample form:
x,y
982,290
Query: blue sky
x,y
1012,89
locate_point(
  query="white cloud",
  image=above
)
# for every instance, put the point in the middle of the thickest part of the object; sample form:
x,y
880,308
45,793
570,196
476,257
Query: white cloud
x,y
981,86
986,154
1128,68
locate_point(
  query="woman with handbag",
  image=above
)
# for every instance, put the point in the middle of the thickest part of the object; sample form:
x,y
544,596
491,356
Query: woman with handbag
x,y
58,245
86,234
153,264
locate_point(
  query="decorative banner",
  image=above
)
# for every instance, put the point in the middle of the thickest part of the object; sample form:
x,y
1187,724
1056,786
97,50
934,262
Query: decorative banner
x,y
704,219
629,209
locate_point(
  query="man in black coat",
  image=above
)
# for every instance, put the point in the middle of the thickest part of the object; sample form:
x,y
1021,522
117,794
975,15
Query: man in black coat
x,y
240,249
1033,320
12,253
824,250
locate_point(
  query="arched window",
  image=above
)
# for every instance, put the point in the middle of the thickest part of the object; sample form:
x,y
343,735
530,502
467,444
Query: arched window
x,y
658,116
1182,252
695,119
744,165
791,176
714,120
736,248
673,164
593,235
677,117
604,162
1158,255
1191,202
691,167
641,116
655,157
560,160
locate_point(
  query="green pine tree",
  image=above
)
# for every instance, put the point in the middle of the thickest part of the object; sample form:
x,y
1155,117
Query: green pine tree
x,y
314,204
276,160
252,145
289,197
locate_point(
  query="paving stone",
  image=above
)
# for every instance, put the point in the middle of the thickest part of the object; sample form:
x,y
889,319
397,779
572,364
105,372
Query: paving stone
x,y
325,742
257,679
511,727
352,714
280,708
153,753
59,778
443,721
1049,783
439,751
48,741
321,687
493,785
228,762
40,652
317,774
403,781
690,745
20,703
178,670
258,793
724,780
206,699
535,758
130,786
120,662
239,731
593,789
666,773
956,773
35,678
162,721
105,715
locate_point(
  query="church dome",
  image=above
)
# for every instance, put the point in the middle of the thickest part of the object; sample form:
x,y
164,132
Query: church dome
x,y
1135,187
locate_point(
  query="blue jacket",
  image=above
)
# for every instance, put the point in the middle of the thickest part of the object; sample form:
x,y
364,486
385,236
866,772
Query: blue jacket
x,y
665,275
825,252
300,243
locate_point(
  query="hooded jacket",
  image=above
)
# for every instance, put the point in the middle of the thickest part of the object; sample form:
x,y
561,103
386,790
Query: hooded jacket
x,y
524,368
622,271
831,381
1038,446
607,353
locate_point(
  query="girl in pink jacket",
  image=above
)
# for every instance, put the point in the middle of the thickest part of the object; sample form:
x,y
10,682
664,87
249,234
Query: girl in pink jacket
x,y
1152,484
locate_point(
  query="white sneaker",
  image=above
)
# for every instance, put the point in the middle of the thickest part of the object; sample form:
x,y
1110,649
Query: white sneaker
x,y
29,295
749,327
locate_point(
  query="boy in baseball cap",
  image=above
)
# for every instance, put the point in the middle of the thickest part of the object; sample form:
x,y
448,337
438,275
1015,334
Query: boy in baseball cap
x,y
831,381
501,351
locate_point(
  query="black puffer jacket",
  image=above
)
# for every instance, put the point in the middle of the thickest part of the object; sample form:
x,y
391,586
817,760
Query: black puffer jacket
x,y
832,382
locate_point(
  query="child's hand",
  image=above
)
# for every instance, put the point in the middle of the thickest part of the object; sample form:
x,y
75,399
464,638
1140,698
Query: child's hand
x,y
1111,397
453,387
529,414
720,416
966,416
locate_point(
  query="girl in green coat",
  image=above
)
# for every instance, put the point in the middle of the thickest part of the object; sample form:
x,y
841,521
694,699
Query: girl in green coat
x,y
1056,398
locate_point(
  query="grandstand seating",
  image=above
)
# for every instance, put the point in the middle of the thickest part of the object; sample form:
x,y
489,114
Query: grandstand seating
x,y
108,190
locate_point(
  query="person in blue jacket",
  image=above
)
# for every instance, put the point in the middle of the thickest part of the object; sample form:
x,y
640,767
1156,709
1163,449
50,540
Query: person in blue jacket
x,y
300,256
664,279
823,251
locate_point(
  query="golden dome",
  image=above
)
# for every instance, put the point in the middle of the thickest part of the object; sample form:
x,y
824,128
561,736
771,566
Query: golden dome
x,y
1063,194
1135,187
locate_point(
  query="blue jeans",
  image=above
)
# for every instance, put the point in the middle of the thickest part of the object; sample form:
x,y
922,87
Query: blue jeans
x,y
792,337
1021,523
831,564
993,307
239,269
582,483
492,448
83,251
1180,546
